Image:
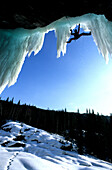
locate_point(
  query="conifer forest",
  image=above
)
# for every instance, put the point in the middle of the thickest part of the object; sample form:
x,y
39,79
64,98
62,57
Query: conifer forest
x,y
91,132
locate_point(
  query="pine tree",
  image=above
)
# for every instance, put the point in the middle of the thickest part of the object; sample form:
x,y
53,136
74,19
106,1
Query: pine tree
x,y
87,111
12,100
7,99
18,102
78,111
65,110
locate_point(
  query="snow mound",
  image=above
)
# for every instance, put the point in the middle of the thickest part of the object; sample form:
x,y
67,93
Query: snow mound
x,y
24,147
16,44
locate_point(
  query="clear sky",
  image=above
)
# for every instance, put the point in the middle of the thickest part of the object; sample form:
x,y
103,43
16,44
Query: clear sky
x,y
80,79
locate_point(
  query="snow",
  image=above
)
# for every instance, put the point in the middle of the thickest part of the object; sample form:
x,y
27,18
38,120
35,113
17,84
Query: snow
x,y
41,151
16,44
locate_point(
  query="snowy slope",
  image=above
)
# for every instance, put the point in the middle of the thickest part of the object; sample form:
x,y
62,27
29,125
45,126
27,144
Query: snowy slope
x,y
27,148
16,44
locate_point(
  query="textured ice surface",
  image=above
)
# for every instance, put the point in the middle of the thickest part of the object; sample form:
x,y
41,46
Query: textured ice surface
x,y
16,44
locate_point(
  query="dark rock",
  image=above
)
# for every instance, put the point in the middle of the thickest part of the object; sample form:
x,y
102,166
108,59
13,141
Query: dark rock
x,y
26,129
17,145
67,148
7,129
19,138
35,140
5,143
31,14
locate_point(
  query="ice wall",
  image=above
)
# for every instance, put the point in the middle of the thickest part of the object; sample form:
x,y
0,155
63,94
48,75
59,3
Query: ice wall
x,y
16,44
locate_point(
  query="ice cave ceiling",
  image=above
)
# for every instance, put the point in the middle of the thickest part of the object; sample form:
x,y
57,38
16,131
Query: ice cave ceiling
x,y
31,14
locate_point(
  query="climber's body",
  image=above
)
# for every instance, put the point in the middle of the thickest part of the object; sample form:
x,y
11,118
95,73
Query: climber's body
x,y
77,35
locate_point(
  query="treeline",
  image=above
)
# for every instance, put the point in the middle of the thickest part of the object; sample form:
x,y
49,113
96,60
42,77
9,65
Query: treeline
x,y
92,133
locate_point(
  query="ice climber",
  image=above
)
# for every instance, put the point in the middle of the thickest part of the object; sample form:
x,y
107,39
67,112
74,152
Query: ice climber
x,y
77,35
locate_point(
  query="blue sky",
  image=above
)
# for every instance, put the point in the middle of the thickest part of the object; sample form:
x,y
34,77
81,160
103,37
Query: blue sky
x,y
80,79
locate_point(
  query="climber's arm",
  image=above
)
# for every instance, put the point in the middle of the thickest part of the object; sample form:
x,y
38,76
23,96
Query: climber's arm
x,y
71,32
79,29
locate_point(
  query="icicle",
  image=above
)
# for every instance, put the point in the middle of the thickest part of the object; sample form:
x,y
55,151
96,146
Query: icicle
x,y
62,37
15,44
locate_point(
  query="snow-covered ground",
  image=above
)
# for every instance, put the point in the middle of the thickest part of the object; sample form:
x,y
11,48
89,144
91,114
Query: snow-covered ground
x,y
23,147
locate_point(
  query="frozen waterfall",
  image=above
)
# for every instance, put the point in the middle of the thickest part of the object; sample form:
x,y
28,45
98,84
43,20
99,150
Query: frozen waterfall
x,y
16,44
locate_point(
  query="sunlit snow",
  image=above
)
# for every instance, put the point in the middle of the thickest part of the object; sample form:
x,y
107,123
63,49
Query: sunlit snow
x,y
16,44
28,148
